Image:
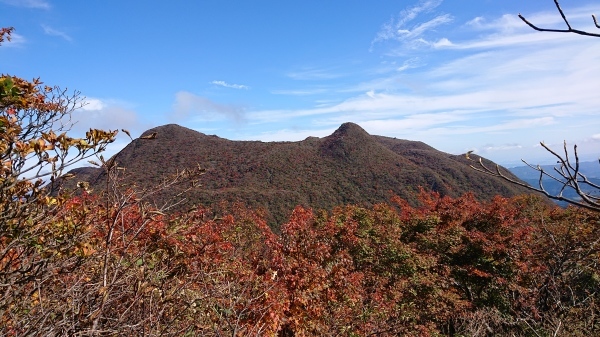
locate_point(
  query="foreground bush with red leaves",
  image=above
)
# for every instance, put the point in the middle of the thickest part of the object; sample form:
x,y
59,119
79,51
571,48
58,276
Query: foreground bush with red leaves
x,y
449,267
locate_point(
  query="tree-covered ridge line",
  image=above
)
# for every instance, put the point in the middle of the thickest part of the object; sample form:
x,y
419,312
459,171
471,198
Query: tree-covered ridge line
x,y
349,166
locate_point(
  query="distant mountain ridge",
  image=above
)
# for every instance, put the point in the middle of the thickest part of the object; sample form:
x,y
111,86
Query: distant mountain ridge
x,y
349,166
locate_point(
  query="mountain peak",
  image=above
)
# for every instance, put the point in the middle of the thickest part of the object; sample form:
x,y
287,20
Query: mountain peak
x,y
170,130
347,142
351,130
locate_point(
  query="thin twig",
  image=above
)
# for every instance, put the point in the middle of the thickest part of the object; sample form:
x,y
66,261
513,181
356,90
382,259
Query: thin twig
x,y
569,28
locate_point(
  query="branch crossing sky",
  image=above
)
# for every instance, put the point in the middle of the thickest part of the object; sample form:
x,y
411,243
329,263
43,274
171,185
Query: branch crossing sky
x,y
457,75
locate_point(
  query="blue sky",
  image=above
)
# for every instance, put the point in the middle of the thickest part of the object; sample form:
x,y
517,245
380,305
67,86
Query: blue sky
x,y
457,75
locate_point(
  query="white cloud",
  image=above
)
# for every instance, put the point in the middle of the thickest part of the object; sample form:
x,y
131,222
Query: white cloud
x,y
410,122
106,115
505,23
409,64
395,26
311,73
413,35
228,85
39,4
526,38
501,128
409,14
509,29
299,92
421,28
441,43
54,32
190,105
93,104
504,147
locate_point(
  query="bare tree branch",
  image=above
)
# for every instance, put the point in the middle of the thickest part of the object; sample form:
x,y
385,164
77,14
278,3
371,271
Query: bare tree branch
x,y
567,174
569,28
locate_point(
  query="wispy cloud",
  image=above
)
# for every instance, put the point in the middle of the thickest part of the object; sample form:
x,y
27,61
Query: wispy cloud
x,y
93,104
579,17
55,32
39,4
507,22
401,28
489,148
300,92
421,28
410,64
228,85
190,105
310,73
509,30
390,29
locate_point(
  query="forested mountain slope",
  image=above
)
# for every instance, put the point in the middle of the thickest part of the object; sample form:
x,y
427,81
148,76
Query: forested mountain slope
x,y
348,167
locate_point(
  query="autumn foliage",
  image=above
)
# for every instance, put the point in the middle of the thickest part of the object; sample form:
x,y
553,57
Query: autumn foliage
x,y
449,267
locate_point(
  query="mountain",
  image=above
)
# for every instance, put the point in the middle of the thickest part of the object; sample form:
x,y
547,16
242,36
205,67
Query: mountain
x,y
348,167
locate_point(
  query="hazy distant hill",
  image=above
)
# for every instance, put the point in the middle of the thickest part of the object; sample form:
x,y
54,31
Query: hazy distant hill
x,y
349,166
